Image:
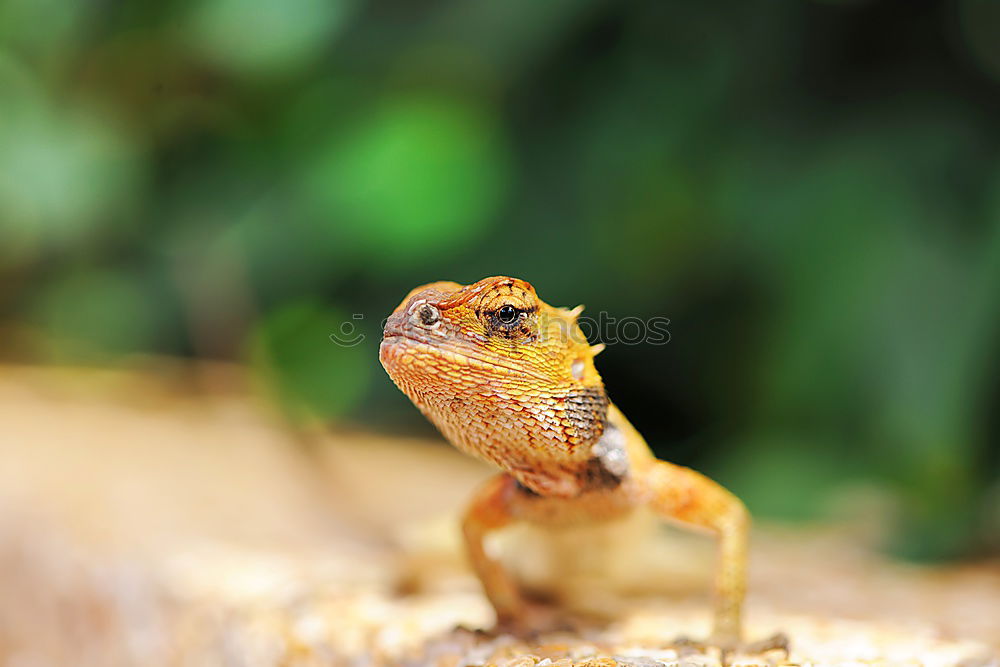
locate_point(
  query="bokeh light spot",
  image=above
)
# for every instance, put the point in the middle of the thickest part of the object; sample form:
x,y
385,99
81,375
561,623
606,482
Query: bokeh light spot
x,y
44,26
308,373
62,174
418,176
265,36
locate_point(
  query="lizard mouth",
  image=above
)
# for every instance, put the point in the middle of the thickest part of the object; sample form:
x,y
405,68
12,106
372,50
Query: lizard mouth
x,y
398,348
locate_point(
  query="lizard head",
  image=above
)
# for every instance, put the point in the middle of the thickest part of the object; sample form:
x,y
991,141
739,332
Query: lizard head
x,y
501,373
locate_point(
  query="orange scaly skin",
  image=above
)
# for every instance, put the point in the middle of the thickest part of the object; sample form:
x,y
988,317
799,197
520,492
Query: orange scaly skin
x,y
511,379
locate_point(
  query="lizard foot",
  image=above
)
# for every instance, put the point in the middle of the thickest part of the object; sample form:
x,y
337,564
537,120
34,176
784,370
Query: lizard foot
x,y
727,647
465,631
533,620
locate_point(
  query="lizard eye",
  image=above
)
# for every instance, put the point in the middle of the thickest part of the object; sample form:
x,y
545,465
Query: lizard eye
x,y
428,314
507,315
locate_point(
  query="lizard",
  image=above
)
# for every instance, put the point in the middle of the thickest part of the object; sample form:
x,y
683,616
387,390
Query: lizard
x,y
511,380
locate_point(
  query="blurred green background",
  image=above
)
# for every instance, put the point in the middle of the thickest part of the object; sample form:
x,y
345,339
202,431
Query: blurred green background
x,y
809,190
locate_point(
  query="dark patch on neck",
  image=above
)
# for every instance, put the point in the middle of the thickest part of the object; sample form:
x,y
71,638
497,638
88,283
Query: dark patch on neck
x,y
587,411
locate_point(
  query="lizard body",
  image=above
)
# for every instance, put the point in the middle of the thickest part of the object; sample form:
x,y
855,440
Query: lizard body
x,y
511,380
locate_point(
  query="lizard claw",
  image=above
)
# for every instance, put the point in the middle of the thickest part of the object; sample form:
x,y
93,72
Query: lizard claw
x,y
776,642
463,630
534,620
685,646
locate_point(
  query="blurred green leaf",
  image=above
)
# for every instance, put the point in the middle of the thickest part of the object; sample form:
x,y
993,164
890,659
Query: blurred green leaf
x,y
416,178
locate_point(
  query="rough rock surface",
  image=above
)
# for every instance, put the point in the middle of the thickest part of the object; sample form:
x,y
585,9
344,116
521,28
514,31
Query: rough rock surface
x,y
166,517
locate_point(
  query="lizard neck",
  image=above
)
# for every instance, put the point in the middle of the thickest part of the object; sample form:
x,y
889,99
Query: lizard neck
x,y
557,443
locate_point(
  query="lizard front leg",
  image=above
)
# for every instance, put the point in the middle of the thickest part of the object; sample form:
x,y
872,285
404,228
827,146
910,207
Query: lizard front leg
x,y
490,510
498,503
681,494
